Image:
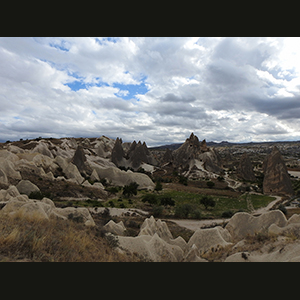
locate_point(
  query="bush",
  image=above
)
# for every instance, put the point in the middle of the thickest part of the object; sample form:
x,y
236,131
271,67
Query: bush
x,y
131,189
196,214
167,201
158,186
112,189
227,214
157,211
150,198
210,184
38,195
183,180
183,210
207,201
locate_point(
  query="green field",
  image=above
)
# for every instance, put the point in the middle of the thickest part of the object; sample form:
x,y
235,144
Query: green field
x,y
182,198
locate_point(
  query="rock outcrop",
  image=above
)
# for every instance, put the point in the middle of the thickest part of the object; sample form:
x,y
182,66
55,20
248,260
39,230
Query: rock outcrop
x,y
115,228
21,205
155,242
26,187
194,155
119,177
243,224
245,169
276,178
137,154
205,239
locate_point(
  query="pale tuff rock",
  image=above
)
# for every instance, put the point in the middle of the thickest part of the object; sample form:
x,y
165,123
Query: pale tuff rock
x,y
69,169
8,168
120,178
150,227
115,228
11,192
152,248
3,177
279,253
205,239
243,223
26,187
42,148
44,209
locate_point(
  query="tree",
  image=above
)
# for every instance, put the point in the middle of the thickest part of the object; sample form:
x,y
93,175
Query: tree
x,y
207,201
131,189
210,184
183,180
158,186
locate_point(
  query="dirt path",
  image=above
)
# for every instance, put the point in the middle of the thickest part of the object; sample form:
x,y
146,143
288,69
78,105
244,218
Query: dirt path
x,y
262,210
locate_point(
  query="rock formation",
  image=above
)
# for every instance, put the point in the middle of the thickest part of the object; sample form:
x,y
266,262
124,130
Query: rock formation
x,y
21,205
26,187
243,224
79,159
276,177
137,154
195,155
245,169
117,154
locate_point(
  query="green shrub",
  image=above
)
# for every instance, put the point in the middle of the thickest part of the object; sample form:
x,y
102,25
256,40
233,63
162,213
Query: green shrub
x,y
158,186
210,184
131,189
183,180
207,201
196,214
183,210
157,211
38,195
150,198
227,214
167,201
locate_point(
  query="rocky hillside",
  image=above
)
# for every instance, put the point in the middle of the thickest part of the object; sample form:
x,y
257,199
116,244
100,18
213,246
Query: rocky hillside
x,y
80,162
35,175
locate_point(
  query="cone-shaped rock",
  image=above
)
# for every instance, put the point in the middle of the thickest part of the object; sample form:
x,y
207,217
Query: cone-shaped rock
x,y
276,177
244,169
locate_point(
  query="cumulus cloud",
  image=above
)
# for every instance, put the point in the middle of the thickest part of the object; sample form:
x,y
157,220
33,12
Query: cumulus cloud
x,y
236,89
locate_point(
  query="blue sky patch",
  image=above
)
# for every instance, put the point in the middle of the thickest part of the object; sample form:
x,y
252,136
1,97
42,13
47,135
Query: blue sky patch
x,y
133,89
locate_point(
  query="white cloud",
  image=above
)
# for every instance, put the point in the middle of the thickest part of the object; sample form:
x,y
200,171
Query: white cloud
x,y
220,88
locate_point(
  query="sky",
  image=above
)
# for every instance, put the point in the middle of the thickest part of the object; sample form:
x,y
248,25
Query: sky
x,y
153,89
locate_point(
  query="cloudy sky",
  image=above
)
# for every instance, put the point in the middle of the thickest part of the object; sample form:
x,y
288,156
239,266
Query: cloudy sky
x,y
157,90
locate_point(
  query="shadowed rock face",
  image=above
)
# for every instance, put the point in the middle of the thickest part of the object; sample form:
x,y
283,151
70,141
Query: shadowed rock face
x,y
137,154
244,169
117,154
276,177
79,159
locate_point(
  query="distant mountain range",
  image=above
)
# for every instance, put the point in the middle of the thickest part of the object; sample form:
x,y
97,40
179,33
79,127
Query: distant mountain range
x,y
221,144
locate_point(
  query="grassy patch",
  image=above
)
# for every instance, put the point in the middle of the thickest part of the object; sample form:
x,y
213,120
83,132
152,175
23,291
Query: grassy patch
x,y
259,201
53,240
223,204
